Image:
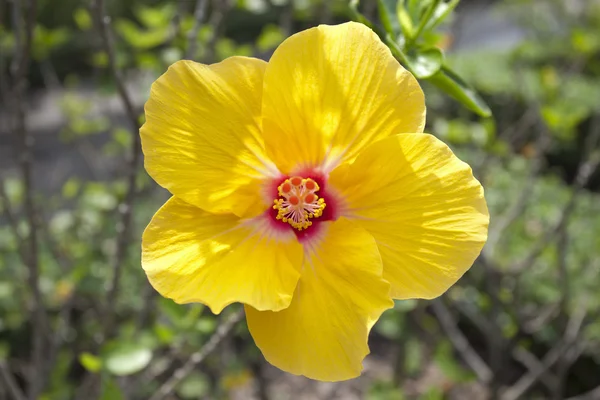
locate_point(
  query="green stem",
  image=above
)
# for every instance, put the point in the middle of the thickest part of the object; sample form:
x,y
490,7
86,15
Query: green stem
x,y
397,51
410,41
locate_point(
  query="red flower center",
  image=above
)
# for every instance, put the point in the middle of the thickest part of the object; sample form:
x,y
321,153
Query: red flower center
x,y
298,202
299,196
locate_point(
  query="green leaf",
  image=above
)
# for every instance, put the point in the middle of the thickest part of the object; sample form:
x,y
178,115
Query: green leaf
x,y
194,386
357,16
405,19
447,363
423,17
82,19
127,359
71,188
90,362
270,37
405,305
206,325
426,63
156,17
442,11
387,16
47,40
454,86
390,325
139,38
414,357
110,390
414,7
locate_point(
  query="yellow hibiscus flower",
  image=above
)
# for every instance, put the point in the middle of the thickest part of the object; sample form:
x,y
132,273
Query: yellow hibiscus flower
x,y
305,189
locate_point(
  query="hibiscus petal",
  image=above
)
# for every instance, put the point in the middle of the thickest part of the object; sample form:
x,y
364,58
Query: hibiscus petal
x,y
191,255
329,91
202,139
323,333
423,207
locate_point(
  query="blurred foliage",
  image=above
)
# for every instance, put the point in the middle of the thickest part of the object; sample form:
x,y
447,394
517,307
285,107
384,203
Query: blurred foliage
x,y
544,95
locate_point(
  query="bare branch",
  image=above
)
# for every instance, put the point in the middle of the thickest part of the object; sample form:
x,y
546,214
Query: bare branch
x,y
20,71
460,343
12,221
571,335
192,36
517,208
195,359
220,9
534,364
11,384
586,169
286,19
125,208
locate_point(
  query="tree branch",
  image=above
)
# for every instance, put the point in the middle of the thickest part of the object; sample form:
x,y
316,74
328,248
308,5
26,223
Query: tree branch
x,y
125,207
20,71
570,336
584,172
517,208
12,221
192,36
222,332
219,10
460,343
11,384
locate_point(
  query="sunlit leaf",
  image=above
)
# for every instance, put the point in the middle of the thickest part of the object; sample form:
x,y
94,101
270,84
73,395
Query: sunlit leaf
x,y
156,17
426,63
387,15
139,38
90,362
404,18
454,86
110,390
71,188
127,359
270,37
194,386
357,15
442,11
82,19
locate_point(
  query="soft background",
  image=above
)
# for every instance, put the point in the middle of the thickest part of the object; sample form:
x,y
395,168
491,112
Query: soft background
x,y
523,323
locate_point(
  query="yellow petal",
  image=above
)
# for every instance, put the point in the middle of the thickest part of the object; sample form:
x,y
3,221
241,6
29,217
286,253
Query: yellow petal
x,y
330,90
424,208
191,255
202,139
323,333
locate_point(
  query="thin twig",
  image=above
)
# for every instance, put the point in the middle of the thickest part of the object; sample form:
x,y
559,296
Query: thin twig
x,y
286,19
11,384
192,36
517,208
3,80
152,374
219,10
223,330
532,363
20,71
125,207
325,13
12,221
460,343
563,275
571,335
585,171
